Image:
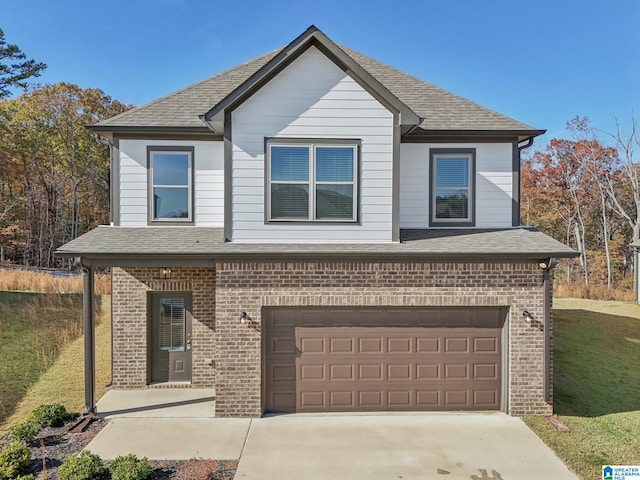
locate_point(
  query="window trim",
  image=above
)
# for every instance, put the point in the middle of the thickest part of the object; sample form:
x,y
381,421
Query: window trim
x,y
470,153
190,151
312,144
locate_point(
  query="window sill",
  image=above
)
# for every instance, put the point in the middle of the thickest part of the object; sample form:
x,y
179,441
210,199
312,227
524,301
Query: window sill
x,y
451,224
165,223
311,222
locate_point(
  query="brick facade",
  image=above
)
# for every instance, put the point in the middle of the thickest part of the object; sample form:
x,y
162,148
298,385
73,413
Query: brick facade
x,y
234,287
130,304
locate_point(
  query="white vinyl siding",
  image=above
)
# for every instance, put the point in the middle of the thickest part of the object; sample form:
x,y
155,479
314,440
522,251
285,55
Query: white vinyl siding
x,y
312,99
494,183
208,193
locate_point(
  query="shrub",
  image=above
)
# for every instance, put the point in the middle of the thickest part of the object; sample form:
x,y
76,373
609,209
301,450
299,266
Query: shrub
x,y
13,459
25,431
51,415
85,466
25,477
130,467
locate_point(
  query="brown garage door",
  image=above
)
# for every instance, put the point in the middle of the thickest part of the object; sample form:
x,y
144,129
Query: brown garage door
x,y
320,360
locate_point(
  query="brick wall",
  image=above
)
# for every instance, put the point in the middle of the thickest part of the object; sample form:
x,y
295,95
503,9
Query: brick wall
x,y
220,294
130,289
251,286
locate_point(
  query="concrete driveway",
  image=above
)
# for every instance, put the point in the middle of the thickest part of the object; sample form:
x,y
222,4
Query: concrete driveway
x,y
421,446
179,425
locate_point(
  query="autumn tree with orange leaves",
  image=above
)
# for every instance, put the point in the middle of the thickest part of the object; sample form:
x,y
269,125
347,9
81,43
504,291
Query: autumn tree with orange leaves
x,y
586,194
55,176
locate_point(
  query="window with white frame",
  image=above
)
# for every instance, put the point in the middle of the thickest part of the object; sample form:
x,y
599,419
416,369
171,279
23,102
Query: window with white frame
x,y
452,200
314,181
170,184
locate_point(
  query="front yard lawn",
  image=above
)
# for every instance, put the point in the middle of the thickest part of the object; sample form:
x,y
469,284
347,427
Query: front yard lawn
x,y
596,386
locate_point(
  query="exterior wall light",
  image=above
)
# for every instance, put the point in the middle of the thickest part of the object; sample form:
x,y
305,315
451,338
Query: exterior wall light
x,y
165,273
527,316
243,317
548,263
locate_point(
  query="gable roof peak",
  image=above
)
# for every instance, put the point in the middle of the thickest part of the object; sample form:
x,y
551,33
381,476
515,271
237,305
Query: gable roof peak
x,y
313,36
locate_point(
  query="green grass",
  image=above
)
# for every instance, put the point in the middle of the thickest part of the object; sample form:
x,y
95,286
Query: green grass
x,y
63,382
33,330
596,386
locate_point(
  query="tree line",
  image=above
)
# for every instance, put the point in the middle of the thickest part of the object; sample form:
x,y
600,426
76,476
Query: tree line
x,y
585,192
54,175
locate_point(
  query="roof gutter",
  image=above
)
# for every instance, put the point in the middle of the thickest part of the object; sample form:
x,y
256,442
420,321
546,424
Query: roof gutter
x,y
525,144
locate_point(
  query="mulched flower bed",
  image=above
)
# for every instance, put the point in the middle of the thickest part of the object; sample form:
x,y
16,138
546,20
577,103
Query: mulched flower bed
x,y
53,445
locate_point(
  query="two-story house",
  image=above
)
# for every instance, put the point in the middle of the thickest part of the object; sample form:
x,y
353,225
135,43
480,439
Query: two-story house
x,y
315,231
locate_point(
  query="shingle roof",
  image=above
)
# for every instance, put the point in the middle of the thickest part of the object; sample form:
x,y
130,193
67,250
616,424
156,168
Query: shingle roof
x,y
114,242
440,109
181,108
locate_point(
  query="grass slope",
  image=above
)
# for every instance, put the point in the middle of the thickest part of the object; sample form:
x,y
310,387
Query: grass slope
x,y
596,385
63,380
33,328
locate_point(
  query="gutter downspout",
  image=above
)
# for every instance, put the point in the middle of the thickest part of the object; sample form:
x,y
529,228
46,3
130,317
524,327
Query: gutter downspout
x,y
88,309
515,181
546,277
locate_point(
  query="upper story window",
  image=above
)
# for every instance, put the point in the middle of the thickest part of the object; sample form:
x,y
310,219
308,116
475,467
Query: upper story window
x,y
312,181
171,184
452,199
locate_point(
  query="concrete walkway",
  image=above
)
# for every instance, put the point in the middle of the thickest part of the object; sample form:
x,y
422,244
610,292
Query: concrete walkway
x,y
178,424
171,424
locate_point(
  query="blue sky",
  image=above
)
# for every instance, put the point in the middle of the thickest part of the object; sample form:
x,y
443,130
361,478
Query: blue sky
x,y
540,62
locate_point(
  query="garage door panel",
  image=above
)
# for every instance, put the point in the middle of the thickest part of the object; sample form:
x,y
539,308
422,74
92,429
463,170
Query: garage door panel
x,y
428,371
380,367
488,345
370,399
428,399
312,345
400,345
428,345
312,372
454,371
399,372
456,398
341,372
400,398
312,400
341,345
342,400
456,345
370,372
485,371
370,345
484,397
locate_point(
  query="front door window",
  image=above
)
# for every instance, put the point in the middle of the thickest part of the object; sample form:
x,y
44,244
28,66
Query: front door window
x,y
171,337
